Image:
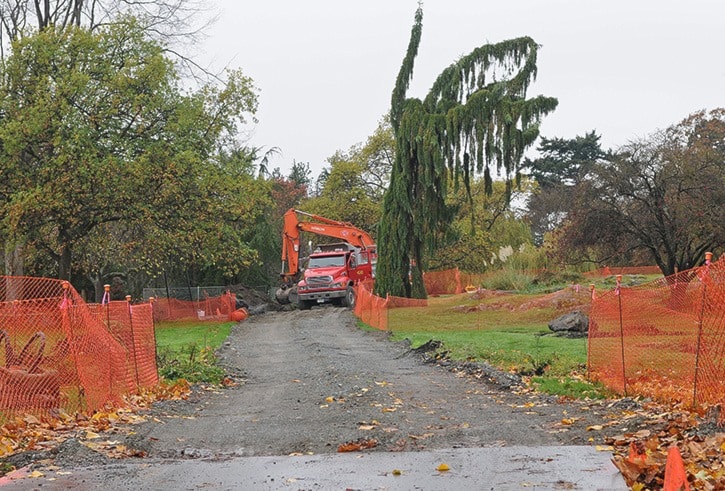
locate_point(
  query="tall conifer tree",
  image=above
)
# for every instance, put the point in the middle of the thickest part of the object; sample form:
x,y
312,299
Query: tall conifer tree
x,y
475,119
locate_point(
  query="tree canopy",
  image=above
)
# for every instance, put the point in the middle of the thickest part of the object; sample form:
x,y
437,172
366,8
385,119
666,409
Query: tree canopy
x,y
476,119
95,129
663,195
352,187
561,166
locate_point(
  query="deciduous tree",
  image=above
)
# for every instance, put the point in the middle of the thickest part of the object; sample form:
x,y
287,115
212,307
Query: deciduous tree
x,y
96,129
664,195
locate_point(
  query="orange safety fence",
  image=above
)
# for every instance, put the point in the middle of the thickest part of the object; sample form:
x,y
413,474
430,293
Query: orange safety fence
x,y
373,310
451,281
664,339
443,282
57,352
630,270
370,308
219,308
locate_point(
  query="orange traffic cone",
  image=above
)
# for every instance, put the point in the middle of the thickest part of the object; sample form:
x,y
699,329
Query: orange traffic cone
x,y
675,475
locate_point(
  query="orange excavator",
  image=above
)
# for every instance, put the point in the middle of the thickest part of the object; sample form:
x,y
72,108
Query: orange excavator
x,y
332,269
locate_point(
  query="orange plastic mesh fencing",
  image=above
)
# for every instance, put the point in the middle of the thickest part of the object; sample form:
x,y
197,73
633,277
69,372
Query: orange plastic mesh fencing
x,y
443,282
615,270
664,339
57,353
218,308
370,308
132,326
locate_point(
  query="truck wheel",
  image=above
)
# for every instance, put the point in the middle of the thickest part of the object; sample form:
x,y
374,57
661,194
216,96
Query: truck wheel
x,y
349,300
304,304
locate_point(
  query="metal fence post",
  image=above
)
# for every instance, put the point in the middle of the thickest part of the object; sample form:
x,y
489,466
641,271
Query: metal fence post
x,y
618,292
133,342
700,320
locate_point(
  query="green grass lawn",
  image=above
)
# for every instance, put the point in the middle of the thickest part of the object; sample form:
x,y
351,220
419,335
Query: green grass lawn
x,y
503,331
186,350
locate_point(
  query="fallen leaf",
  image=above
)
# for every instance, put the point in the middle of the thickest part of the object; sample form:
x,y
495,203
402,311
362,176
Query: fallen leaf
x,y
396,472
594,427
357,445
443,468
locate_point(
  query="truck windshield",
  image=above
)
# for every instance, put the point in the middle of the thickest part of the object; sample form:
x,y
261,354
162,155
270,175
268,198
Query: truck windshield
x,y
326,261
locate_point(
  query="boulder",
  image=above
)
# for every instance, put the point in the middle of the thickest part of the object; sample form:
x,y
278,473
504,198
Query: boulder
x,y
573,324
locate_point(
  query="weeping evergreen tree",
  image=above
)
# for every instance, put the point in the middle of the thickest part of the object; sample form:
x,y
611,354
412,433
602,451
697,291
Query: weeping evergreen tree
x,y
476,119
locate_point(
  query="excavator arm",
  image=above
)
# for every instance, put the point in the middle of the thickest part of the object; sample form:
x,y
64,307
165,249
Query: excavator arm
x,y
317,225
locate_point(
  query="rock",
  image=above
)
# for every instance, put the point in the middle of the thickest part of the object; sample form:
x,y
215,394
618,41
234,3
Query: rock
x,y
573,324
258,309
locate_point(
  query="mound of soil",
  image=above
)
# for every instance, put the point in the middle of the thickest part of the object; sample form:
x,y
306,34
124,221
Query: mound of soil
x,y
563,300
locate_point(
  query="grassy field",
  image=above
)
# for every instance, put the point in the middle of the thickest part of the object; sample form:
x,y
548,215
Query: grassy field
x,y
509,331
186,350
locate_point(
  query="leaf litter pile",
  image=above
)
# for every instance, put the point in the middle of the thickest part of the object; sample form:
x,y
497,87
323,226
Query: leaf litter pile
x,y
25,438
642,456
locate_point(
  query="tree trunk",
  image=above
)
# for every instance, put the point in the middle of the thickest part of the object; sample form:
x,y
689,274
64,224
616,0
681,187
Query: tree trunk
x,y
13,267
64,265
14,260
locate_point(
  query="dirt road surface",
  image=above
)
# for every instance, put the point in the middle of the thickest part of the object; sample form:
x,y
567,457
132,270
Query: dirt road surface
x,y
311,383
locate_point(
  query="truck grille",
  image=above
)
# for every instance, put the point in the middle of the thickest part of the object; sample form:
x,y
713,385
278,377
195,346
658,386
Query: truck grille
x,y
319,281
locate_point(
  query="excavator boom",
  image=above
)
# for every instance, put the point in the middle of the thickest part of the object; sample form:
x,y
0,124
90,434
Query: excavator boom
x,y
319,225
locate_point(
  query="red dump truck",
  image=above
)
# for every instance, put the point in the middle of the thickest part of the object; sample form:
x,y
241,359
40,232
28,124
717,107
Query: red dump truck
x,y
332,270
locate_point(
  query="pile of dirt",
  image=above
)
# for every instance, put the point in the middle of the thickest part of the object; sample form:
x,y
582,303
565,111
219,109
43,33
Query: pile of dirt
x,y
254,301
572,298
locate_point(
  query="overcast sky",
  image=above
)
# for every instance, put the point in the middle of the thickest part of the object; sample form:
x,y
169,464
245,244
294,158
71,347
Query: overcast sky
x,y
325,69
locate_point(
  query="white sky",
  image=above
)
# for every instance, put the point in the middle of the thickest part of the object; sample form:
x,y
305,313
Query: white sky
x,y
326,68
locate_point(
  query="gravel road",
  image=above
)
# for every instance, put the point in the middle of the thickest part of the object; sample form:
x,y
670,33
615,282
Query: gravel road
x,y
311,381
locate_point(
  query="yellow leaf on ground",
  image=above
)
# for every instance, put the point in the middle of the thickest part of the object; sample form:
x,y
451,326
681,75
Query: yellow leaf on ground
x,y
90,435
5,449
443,468
36,474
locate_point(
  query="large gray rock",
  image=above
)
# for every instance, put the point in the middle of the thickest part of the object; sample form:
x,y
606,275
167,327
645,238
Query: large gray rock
x,y
573,324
